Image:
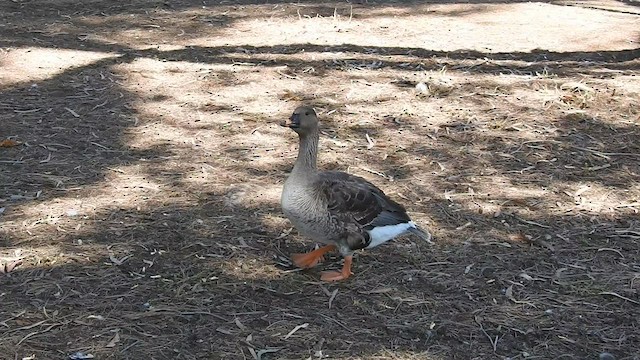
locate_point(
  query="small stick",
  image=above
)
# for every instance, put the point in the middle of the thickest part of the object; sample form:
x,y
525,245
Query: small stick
x,y
614,250
296,329
4,322
370,142
75,114
285,75
333,296
620,296
373,172
533,223
494,343
37,332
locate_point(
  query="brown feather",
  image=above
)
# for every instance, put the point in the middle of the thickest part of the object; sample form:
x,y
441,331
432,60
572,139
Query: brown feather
x,y
352,199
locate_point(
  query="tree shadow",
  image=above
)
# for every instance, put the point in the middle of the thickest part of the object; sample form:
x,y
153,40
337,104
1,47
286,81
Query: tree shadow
x,y
201,270
170,285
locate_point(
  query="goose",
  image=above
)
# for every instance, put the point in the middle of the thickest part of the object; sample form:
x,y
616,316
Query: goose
x,y
342,211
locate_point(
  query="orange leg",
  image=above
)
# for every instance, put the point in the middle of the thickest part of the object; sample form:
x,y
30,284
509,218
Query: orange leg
x,y
311,259
339,275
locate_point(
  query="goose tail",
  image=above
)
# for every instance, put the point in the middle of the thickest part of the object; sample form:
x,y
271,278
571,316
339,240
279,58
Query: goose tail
x,y
421,233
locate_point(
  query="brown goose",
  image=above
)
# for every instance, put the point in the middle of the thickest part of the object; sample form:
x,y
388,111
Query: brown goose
x,y
343,211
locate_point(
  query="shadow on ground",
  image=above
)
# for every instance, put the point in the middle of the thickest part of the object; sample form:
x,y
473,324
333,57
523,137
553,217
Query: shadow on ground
x,y
128,254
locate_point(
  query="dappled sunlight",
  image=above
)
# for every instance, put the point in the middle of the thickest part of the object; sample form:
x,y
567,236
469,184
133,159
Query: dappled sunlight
x,y
140,216
40,257
125,189
591,198
252,194
177,88
501,198
245,269
435,29
32,64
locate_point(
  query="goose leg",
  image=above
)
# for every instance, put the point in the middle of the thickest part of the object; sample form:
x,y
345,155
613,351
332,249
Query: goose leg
x,y
311,259
339,275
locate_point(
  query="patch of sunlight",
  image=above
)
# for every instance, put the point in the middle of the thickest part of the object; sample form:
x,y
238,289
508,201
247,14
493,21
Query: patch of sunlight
x,y
493,197
500,195
251,269
199,96
566,29
598,199
252,194
498,187
624,84
219,93
20,65
126,188
275,221
28,257
393,355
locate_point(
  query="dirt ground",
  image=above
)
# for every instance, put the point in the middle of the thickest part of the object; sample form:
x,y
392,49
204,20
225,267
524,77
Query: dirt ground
x,y
143,163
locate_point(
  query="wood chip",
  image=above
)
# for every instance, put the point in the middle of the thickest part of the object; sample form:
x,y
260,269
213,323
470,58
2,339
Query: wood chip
x,y
8,143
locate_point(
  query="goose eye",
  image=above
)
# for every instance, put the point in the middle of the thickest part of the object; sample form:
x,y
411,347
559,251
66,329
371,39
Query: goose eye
x,y
307,113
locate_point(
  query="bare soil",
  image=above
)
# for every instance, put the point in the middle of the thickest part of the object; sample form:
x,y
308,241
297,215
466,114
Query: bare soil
x,y
139,206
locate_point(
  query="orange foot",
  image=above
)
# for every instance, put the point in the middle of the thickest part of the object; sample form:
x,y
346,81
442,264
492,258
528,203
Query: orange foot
x,y
338,275
311,259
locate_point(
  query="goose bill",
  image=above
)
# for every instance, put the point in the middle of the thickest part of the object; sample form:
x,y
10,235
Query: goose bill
x,y
294,122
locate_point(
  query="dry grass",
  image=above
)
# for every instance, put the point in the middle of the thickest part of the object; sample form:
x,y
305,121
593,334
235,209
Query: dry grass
x,y
139,212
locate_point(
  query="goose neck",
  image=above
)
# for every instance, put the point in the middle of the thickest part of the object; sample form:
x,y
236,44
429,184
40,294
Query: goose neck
x,y
307,154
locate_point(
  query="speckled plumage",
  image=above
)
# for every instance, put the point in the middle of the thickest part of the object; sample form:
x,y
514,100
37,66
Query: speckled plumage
x,y
334,207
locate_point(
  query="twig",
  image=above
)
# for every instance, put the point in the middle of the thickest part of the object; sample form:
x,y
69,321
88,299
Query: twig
x,y
286,75
75,114
99,145
532,223
494,343
374,172
38,332
4,322
333,296
614,250
370,143
30,326
596,152
337,322
124,350
620,296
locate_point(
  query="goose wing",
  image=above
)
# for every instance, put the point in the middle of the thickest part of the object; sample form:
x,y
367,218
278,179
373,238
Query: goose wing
x,y
359,206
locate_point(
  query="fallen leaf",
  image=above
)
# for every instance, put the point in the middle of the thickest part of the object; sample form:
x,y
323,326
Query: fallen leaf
x,y
8,143
239,324
114,340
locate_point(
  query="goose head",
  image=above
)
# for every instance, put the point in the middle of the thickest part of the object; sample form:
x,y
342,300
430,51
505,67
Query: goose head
x,y
303,120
